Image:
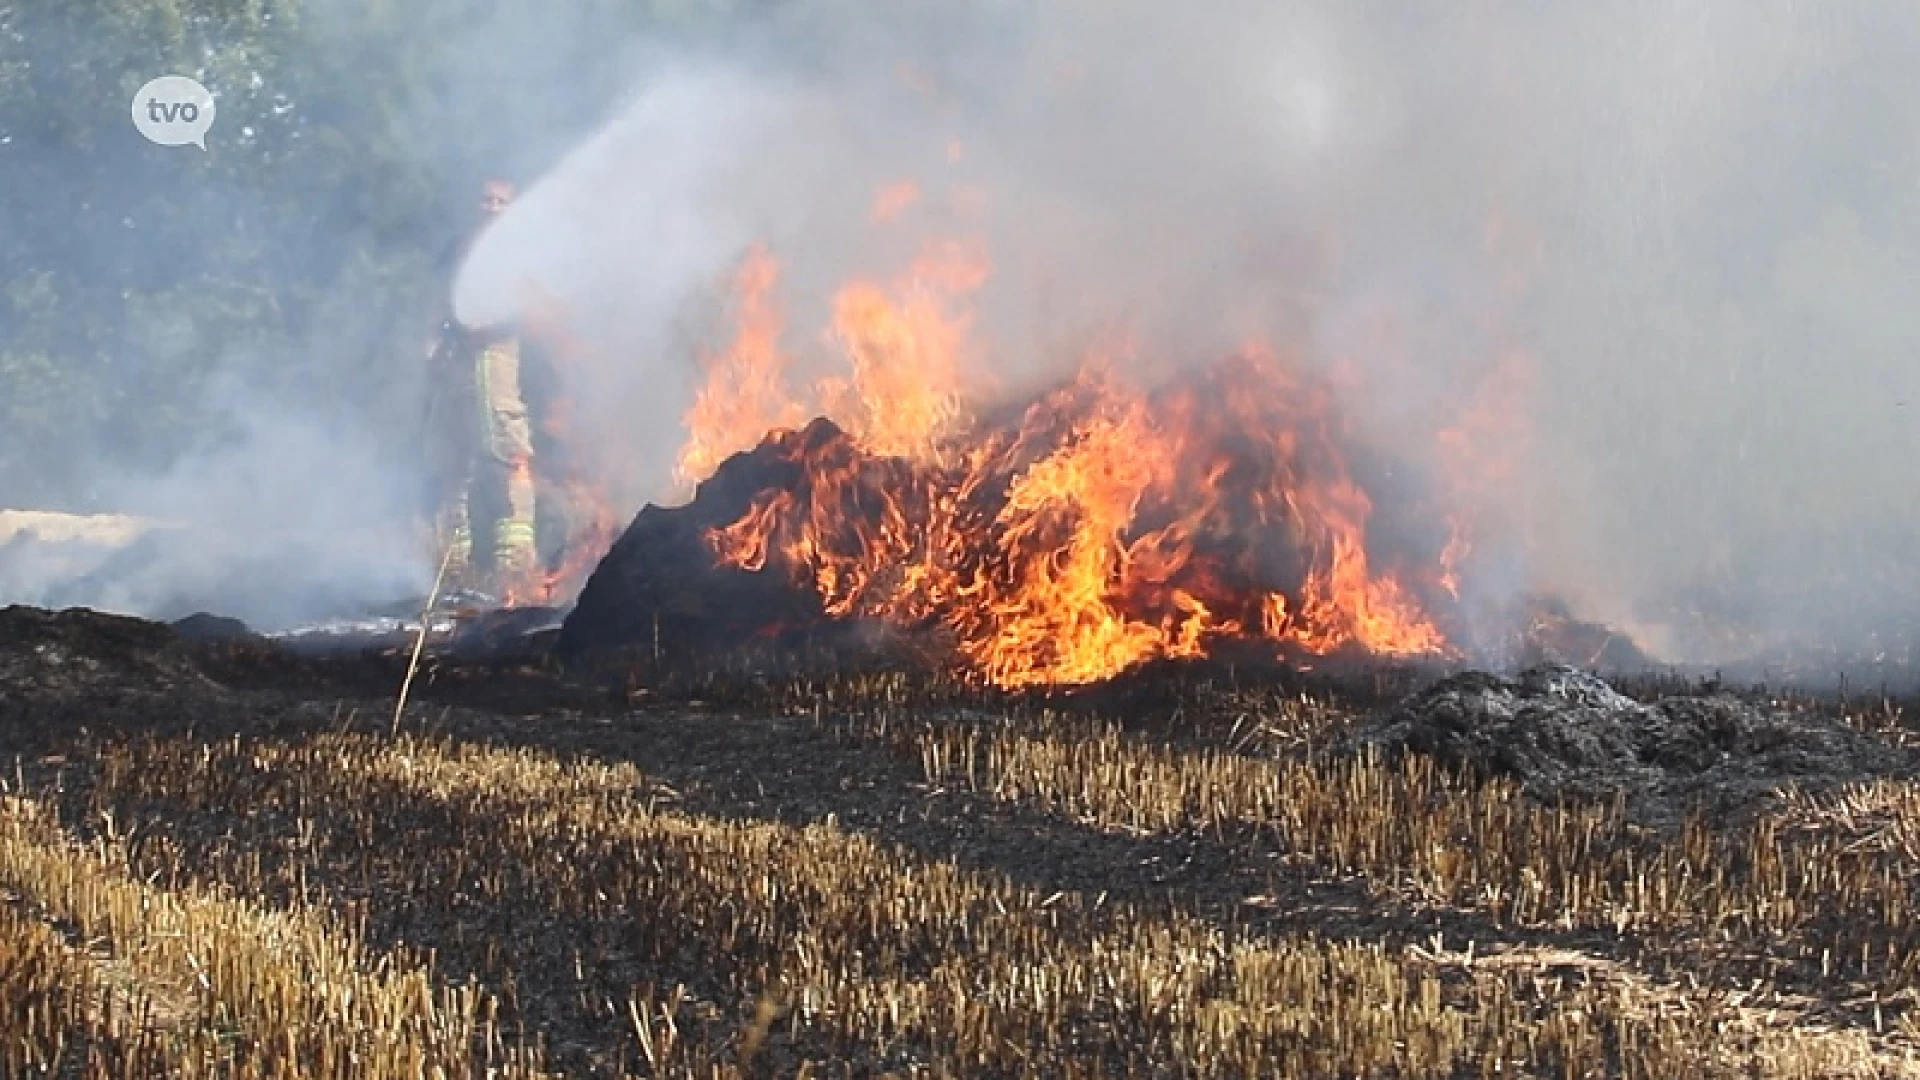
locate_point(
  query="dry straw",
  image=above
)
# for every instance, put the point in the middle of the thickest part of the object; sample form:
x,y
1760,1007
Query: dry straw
x,y
785,943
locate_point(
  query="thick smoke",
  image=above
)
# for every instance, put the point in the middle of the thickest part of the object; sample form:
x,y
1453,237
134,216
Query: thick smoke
x,y
1679,235
1688,225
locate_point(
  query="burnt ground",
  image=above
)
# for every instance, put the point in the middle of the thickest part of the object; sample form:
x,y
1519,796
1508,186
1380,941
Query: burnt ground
x,y
747,742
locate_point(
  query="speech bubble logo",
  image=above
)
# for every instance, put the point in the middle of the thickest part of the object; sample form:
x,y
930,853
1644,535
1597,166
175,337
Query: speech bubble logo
x,y
173,110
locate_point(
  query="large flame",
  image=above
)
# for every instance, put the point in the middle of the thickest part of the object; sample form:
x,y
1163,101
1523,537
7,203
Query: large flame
x,y
1108,525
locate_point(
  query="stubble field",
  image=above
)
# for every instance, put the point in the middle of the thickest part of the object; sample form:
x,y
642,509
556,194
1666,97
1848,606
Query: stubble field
x,y
222,862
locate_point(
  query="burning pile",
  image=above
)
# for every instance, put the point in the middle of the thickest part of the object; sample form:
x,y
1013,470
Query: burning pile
x,y
1101,529
1100,526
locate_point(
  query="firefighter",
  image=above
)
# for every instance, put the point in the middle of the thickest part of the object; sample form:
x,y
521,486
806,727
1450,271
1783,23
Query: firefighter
x,y
481,443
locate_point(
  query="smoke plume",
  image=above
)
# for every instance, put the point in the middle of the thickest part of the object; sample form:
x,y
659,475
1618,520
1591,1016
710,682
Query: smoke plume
x,y
1686,226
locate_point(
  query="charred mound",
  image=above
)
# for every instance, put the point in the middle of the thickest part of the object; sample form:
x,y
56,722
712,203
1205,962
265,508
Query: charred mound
x,y
79,650
73,670
659,588
815,530
1566,735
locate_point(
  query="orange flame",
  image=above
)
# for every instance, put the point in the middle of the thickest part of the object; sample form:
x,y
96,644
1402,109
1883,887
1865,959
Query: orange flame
x,y
744,396
1061,617
905,346
1107,526
1342,601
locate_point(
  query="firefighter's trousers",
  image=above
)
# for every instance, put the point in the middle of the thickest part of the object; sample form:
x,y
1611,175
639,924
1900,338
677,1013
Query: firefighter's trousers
x,y
496,502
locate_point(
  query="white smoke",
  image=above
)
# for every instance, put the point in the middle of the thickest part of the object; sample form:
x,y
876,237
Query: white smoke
x,y
282,519
1695,201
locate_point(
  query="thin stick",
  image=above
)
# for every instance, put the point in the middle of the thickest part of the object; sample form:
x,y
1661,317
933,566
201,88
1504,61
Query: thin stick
x,y
420,639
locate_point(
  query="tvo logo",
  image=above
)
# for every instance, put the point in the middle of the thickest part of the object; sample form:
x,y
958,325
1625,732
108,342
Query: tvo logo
x,y
173,110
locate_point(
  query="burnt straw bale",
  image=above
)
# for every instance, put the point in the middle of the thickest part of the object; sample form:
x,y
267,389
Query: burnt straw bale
x,y
660,586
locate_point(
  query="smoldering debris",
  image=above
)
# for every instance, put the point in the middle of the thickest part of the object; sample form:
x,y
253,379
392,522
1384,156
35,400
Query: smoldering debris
x,y
1568,735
